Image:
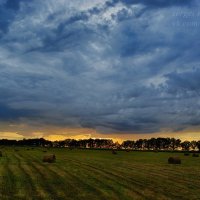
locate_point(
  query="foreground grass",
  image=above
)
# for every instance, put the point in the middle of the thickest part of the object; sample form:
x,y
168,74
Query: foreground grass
x,y
97,175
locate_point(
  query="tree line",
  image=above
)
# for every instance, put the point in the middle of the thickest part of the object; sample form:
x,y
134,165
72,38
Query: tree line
x,y
162,144
140,144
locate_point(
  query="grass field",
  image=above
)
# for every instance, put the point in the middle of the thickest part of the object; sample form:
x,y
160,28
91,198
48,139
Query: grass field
x,y
96,174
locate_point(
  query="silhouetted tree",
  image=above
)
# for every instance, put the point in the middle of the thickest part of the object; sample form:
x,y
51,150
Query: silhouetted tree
x,y
185,145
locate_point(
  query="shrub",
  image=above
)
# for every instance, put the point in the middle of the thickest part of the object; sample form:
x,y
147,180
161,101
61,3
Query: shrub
x,y
1,154
195,155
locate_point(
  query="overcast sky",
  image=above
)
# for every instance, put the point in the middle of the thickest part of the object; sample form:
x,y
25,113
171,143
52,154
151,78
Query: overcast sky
x,y
112,66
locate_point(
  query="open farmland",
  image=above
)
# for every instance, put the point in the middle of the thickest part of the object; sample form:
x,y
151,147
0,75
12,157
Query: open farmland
x,y
97,175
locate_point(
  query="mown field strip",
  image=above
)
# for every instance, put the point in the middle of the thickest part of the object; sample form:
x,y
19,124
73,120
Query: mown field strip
x,y
49,183
102,182
155,178
124,180
97,175
158,172
75,180
8,179
136,186
36,191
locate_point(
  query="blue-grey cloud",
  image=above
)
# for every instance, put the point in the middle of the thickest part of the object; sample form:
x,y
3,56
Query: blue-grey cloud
x,y
116,66
157,3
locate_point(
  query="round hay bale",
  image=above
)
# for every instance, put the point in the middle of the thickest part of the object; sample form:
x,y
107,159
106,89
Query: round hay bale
x,y
195,155
174,160
49,158
186,154
114,152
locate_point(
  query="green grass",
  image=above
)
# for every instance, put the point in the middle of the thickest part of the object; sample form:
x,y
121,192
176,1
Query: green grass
x,y
97,175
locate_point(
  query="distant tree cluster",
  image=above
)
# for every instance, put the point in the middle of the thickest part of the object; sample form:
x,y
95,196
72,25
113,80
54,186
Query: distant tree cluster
x,y
161,144
86,143
27,142
141,144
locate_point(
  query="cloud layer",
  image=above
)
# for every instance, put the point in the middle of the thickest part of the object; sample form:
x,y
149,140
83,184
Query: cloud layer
x,y
114,66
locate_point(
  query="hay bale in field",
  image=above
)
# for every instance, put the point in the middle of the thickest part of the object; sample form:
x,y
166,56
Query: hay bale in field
x,y
186,154
1,154
174,160
114,152
49,158
195,155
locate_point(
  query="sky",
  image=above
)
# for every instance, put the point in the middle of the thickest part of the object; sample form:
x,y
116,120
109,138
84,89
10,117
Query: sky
x,y
116,69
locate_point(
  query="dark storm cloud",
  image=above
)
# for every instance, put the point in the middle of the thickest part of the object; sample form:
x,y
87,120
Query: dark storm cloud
x,y
110,65
13,4
156,3
7,113
185,81
8,10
